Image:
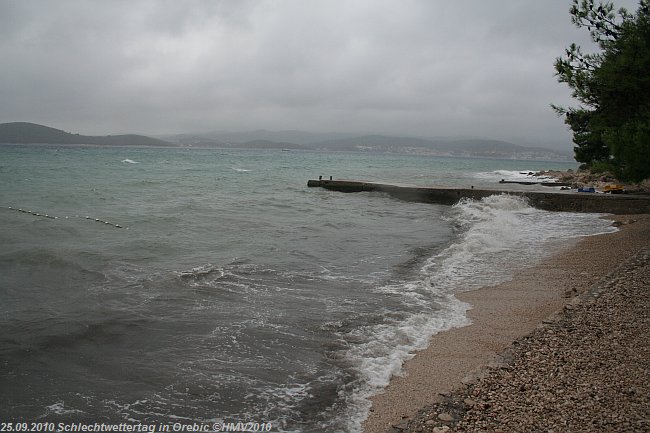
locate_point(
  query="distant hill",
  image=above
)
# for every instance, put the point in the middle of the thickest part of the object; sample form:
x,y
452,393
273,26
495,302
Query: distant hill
x,y
199,141
232,138
31,133
471,148
268,144
376,143
476,148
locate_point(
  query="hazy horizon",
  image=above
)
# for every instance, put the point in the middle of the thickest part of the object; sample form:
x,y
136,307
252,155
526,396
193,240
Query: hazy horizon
x,y
410,68
300,137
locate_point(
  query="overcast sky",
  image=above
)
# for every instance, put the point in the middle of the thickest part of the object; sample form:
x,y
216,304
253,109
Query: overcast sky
x,y
418,67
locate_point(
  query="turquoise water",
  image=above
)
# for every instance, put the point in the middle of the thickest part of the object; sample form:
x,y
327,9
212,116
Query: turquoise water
x,y
232,292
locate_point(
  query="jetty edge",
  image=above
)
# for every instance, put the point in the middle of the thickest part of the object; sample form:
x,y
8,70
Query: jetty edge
x,y
557,201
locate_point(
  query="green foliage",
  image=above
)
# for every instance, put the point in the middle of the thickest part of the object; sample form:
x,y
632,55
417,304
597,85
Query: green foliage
x,y
630,146
612,125
604,167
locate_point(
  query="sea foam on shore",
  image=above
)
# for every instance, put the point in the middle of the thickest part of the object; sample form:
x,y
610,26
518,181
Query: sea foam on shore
x,y
502,314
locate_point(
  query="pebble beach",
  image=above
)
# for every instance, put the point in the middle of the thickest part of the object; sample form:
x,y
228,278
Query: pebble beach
x,y
563,347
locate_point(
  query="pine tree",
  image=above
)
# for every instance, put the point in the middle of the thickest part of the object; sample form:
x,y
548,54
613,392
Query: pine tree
x,y
611,127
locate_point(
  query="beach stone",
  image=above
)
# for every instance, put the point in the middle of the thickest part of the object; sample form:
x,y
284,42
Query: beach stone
x,y
570,293
470,379
469,402
584,370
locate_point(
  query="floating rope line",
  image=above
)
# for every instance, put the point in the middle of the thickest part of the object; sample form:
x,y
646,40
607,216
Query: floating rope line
x,y
56,217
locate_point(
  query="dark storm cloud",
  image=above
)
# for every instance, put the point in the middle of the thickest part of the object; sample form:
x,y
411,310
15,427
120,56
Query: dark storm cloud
x,y
421,67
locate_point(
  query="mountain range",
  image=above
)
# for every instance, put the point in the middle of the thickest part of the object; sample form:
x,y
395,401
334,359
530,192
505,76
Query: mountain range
x,y
30,133
263,139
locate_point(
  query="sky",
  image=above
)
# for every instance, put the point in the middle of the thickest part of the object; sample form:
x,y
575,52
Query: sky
x,y
429,68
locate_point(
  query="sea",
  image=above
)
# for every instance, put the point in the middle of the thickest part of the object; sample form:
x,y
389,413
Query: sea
x,y
176,287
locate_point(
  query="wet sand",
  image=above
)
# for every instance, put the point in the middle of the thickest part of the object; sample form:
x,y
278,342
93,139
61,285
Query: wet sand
x,y
500,315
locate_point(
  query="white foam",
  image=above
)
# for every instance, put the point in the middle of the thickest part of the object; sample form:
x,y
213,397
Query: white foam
x,y
130,161
59,408
388,346
383,356
512,175
240,170
203,271
500,234
497,236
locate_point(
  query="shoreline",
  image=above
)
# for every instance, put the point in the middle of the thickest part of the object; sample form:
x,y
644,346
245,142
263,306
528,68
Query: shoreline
x,y
501,315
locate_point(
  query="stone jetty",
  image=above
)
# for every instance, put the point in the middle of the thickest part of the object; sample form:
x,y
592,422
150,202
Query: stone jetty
x,y
562,201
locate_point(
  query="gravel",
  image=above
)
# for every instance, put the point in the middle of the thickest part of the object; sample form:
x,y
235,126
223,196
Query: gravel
x,y
586,369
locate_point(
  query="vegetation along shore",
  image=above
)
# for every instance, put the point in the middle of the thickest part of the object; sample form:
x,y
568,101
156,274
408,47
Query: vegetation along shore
x,y
600,181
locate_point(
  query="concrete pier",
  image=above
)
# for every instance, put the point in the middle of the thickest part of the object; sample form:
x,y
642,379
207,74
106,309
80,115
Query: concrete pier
x,y
562,201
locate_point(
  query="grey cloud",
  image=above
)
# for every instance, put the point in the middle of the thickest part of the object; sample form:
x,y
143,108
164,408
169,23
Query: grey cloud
x,y
410,66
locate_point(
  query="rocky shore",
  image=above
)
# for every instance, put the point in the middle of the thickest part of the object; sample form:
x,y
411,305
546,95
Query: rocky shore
x,y
584,178
585,370
583,366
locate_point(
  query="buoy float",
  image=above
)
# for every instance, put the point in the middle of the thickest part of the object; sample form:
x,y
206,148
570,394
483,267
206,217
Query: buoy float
x,y
38,214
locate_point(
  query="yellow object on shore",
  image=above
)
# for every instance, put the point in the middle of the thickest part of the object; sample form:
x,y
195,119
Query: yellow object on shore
x,y
613,188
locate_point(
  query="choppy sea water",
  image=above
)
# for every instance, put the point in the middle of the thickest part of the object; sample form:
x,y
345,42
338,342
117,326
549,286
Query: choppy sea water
x,y
232,292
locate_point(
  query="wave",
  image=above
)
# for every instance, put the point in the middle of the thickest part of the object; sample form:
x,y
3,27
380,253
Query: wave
x,y
495,236
500,234
130,161
66,332
513,175
372,320
388,345
59,408
240,170
202,272
49,262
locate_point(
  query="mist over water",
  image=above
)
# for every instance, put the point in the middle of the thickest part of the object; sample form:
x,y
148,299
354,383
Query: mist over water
x,y
231,291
